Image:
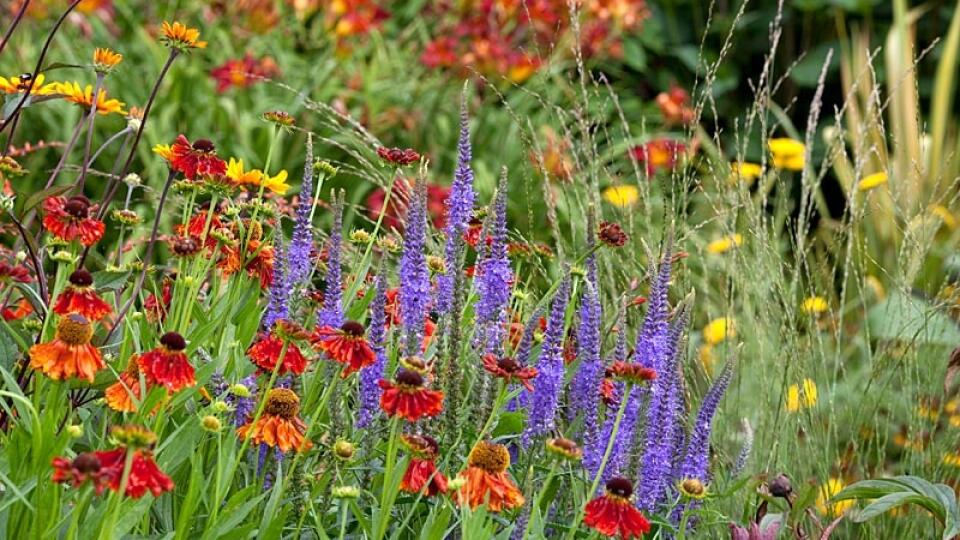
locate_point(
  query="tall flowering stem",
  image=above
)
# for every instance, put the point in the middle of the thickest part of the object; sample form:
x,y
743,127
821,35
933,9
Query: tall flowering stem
x,y
370,376
414,274
301,243
279,295
545,400
332,312
586,382
459,211
495,275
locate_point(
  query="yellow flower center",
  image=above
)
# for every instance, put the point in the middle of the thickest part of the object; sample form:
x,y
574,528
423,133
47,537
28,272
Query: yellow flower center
x,y
283,403
493,458
74,329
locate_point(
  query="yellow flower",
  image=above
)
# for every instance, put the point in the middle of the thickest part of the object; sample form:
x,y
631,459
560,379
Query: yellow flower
x,y
17,84
814,305
744,172
621,196
806,399
787,153
278,184
104,59
164,151
179,36
725,244
952,459
707,358
717,330
827,491
72,93
945,215
236,173
872,181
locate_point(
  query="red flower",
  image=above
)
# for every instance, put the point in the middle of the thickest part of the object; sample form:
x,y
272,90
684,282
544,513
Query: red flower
x,y
422,474
630,372
675,106
266,352
199,158
22,310
608,392
244,72
197,227
509,369
659,154
156,308
398,156
79,297
104,468
70,219
18,273
407,397
613,514
167,365
82,468
346,345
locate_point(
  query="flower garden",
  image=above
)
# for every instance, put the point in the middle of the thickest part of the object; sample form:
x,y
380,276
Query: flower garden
x,y
483,269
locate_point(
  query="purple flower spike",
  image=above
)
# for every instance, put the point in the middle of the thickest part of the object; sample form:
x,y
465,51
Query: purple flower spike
x,y
414,274
695,462
586,382
544,401
459,211
332,312
279,294
495,275
301,243
370,376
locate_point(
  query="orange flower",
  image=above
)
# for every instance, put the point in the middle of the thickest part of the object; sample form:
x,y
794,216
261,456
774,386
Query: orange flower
x,y
156,308
613,514
70,354
167,365
422,474
79,297
70,219
259,263
105,60
121,394
486,479
630,372
407,397
180,36
346,346
72,92
278,426
509,369
265,353
659,154
22,310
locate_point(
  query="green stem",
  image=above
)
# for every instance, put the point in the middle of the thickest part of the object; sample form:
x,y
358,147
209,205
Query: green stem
x,y
540,495
107,532
388,466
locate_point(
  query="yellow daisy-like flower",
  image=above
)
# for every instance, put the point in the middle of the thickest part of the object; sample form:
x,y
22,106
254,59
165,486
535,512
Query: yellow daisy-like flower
x,y
744,172
180,36
801,399
814,305
84,97
827,491
872,181
725,244
164,151
952,459
277,184
787,153
105,60
945,215
238,175
707,358
18,84
622,196
718,330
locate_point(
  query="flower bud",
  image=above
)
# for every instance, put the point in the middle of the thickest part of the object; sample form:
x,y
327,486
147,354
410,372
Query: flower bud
x,y
780,486
345,492
211,423
75,431
240,390
343,450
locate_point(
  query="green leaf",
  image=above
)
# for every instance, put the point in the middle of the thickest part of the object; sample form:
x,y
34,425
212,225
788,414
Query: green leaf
x,y
910,319
885,503
509,423
34,199
110,280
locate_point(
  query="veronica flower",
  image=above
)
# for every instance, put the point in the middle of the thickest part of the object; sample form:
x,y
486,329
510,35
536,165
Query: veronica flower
x,y
695,461
495,276
586,382
414,274
332,312
543,403
301,243
370,376
459,211
279,294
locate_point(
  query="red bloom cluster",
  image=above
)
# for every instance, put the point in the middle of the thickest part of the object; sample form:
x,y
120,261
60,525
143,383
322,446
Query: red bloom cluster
x,y
167,365
198,158
408,398
243,72
79,297
612,514
659,154
399,156
397,207
345,345
73,219
265,353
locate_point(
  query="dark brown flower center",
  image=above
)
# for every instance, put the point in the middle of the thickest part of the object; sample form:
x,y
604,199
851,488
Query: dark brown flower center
x,y
81,278
620,486
564,444
282,402
508,364
204,145
353,328
86,463
173,341
77,207
407,377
